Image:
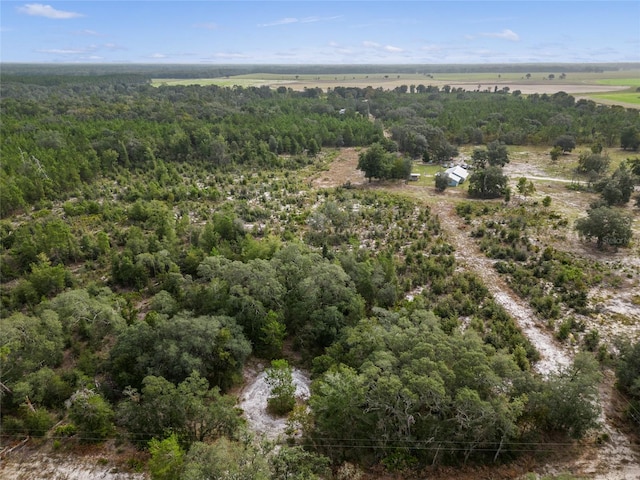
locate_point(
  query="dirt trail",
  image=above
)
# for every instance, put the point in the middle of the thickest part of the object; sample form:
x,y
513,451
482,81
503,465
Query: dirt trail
x,y
37,465
617,458
468,254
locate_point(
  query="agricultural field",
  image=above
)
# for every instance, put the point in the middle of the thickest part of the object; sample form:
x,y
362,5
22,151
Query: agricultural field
x,y
617,98
187,271
596,85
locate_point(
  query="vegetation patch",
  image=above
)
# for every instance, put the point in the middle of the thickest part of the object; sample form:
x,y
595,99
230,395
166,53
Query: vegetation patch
x,y
622,97
153,240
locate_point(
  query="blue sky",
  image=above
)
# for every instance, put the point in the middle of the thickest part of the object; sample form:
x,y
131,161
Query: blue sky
x,y
319,32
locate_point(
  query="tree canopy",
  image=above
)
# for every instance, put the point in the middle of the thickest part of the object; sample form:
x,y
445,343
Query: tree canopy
x,y
607,225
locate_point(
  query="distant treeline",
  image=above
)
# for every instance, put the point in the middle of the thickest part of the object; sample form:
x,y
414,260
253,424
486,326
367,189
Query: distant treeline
x,y
216,71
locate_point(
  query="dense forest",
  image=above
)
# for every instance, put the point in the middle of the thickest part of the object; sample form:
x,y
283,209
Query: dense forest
x,y
154,240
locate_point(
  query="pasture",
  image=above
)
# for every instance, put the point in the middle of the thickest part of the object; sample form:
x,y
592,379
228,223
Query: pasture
x,y
625,97
608,86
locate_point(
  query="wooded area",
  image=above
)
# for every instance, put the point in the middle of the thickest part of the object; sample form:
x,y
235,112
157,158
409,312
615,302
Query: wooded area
x,y
156,239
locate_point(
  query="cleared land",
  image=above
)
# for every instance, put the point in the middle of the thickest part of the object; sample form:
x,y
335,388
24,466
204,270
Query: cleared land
x,y
597,86
632,98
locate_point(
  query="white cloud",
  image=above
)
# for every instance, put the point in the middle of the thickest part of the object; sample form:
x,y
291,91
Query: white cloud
x,y
319,19
91,33
64,51
113,46
157,55
40,10
339,49
290,20
505,34
282,21
386,48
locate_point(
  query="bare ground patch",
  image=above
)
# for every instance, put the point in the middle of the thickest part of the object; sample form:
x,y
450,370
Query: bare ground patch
x,y
343,170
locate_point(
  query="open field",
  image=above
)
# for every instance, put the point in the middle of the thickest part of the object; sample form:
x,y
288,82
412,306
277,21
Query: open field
x,y
634,82
538,82
617,97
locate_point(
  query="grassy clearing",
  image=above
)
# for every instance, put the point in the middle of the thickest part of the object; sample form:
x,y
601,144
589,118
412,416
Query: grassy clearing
x,y
623,78
631,97
221,82
427,174
630,82
426,170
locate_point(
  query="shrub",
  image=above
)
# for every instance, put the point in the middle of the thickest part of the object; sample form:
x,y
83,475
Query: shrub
x,y
37,422
12,426
65,430
92,414
283,390
591,340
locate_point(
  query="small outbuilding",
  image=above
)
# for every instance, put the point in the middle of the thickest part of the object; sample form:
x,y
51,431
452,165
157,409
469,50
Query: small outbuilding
x,y
457,175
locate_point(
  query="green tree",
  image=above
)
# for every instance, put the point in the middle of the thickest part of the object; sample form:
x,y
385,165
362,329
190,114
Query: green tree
x,y
630,138
274,333
279,377
37,421
45,278
607,225
497,154
337,402
372,161
86,316
190,410
617,189
401,168
92,414
442,181
565,142
43,387
480,157
555,153
29,343
399,379
628,379
214,346
225,459
525,188
568,401
628,369
592,162
312,147
167,458
295,463
487,182
328,301
11,196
